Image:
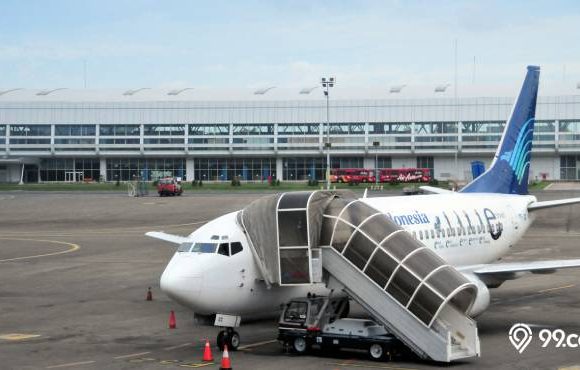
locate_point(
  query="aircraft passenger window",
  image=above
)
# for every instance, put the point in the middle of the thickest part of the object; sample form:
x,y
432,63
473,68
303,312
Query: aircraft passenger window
x,y
204,248
432,234
236,247
224,249
459,231
426,234
415,234
421,234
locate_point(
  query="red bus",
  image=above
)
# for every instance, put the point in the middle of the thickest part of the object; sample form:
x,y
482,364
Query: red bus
x,y
354,175
405,175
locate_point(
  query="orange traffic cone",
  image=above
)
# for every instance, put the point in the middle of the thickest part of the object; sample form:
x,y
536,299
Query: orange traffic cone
x,y
207,356
172,324
149,295
226,365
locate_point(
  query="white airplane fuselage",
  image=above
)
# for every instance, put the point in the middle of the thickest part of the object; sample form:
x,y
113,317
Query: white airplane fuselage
x,y
464,229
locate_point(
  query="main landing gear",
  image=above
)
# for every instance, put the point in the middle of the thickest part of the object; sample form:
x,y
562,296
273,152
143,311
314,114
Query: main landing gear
x,y
228,337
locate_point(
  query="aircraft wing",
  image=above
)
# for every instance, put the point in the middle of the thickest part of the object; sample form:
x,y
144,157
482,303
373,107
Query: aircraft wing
x,y
175,239
435,190
552,203
494,274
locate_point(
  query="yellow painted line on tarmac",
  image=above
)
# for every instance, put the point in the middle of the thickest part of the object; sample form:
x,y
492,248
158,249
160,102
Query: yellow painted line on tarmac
x,y
556,288
258,344
131,355
574,367
72,247
367,366
18,336
70,364
195,366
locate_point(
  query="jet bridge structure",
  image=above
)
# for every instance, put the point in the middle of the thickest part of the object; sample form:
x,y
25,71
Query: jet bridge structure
x,y
302,238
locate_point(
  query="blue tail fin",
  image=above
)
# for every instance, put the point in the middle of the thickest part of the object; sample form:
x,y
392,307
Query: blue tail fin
x,y
509,170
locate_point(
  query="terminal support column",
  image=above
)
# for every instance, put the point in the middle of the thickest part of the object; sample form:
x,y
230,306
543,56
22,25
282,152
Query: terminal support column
x,y
103,168
279,168
189,169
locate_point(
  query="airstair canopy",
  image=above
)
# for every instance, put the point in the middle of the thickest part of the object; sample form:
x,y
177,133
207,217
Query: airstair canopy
x,y
399,264
284,231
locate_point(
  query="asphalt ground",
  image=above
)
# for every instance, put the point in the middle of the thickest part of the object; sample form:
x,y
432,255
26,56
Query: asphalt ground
x,y
75,268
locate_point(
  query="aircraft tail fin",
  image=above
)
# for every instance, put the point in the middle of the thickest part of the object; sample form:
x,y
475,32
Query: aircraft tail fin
x,y
508,173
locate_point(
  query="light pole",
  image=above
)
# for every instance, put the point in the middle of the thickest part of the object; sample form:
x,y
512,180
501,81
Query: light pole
x,y
327,84
376,146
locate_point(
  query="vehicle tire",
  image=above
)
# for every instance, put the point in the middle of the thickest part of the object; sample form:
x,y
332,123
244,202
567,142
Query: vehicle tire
x,y
376,352
233,341
299,345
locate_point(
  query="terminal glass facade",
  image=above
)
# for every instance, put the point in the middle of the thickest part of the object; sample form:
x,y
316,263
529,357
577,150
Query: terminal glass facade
x,y
69,169
149,169
225,169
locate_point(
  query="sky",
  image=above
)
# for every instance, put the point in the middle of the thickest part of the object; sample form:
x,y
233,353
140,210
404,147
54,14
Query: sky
x,y
284,43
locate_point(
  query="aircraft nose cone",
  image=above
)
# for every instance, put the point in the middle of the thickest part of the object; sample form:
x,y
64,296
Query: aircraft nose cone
x,y
183,288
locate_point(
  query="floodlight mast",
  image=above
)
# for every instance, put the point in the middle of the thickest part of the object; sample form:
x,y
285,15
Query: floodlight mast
x,y
327,83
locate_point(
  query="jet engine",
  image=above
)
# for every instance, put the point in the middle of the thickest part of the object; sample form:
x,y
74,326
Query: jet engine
x,y
482,300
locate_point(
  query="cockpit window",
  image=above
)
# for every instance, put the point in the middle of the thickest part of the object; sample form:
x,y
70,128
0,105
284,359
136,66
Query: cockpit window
x,y
184,247
204,248
236,247
224,249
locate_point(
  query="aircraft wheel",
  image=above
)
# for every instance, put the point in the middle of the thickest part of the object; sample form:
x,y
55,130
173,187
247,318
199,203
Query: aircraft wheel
x,y
221,340
234,341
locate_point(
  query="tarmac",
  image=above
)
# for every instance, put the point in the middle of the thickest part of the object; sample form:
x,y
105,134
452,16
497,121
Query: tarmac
x,y
75,269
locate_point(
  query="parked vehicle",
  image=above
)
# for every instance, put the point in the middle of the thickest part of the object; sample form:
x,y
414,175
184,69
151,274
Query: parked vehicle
x,y
319,321
352,175
169,186
405,175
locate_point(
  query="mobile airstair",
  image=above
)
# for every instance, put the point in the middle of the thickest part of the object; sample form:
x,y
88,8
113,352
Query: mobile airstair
x,y
303,238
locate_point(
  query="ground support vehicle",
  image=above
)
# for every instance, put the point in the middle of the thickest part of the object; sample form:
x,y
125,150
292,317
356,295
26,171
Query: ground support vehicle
x,y
169,186
318,322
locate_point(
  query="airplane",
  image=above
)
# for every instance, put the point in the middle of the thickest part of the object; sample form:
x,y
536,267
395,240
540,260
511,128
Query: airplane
x,y
214,270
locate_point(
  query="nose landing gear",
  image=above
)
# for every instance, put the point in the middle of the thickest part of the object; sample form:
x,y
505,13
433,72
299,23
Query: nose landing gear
x,y
228,337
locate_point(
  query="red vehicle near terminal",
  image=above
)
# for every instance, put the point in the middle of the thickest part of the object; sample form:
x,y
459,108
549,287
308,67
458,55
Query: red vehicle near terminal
x,y
352,175
169,186
405,175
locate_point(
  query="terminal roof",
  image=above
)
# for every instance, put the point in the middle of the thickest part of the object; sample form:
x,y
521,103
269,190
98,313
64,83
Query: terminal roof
x,y
310,93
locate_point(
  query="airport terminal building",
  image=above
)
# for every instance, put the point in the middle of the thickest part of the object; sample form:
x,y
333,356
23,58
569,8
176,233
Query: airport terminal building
x,y
215,135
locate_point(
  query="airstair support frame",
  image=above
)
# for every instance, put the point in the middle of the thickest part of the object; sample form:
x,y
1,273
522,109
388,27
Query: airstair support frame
x,y
401,283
